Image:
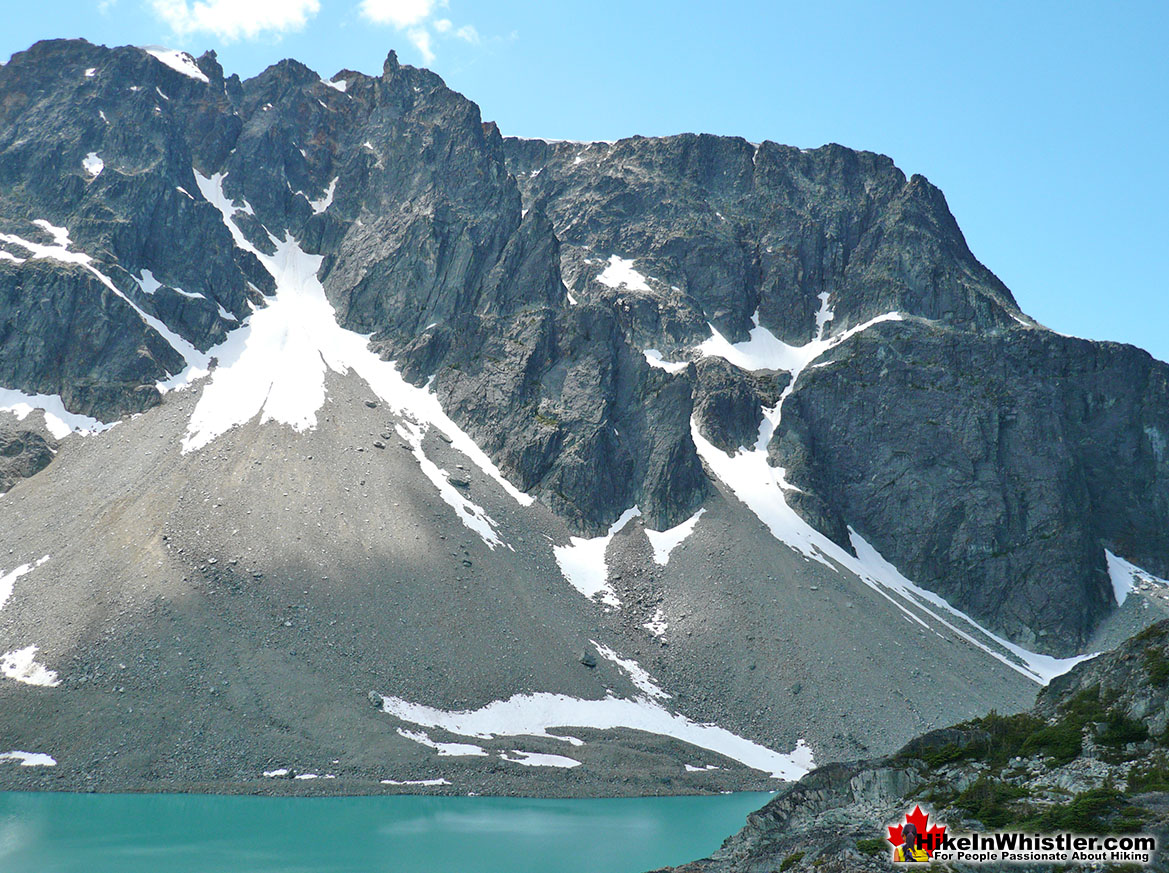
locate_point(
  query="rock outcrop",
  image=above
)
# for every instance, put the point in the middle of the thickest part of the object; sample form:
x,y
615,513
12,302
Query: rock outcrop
x,y
1092,757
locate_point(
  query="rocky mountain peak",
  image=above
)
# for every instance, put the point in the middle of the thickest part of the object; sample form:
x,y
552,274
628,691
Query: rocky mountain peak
x,y
391,66
593,314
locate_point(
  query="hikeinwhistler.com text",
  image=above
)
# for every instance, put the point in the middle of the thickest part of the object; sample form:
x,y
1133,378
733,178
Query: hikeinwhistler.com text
x,y
1015,847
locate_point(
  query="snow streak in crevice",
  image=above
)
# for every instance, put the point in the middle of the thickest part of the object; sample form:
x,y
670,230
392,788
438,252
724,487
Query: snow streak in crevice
x,y
664,542
59,251
761,487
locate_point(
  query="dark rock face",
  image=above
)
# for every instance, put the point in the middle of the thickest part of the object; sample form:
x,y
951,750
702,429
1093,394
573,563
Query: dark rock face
x,y
738,228
988,459
728,403
25,450
993,469
72,335
63,332
571,411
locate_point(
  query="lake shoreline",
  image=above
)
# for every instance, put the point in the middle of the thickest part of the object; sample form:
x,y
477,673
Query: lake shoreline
x,y
285,787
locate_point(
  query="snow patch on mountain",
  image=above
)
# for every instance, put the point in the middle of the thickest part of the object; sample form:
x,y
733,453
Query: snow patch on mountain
x,y
8,581
21,665
654,358
178,61
1126,577
637,674
147,282
30,759
274,365
150,285
472,515
1041,668
620,272
761,487
765,351
537,759
824,315
664,542
59,421
534,714
93,164
582,562
325,202
455,750
657,625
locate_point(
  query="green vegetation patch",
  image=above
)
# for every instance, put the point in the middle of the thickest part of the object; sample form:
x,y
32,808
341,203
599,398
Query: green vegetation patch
x,y
1096,811
1025,735
1157,665
791,861
989,801
1151,776
1120,730
1152,632
1061,741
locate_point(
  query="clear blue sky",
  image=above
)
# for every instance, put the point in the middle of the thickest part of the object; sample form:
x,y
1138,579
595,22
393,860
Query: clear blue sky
x,y
1045,123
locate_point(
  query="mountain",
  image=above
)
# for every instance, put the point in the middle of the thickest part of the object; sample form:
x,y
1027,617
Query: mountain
x,y
346,438
1092,757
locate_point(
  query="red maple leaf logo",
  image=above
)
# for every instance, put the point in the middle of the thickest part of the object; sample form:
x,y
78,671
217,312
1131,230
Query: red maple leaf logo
x,y
931,835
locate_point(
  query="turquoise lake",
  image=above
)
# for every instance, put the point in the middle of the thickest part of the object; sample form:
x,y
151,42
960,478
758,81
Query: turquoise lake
x,y
157,833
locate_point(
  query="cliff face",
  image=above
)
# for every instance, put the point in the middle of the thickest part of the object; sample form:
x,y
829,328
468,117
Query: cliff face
x,y
614,325
989,459
992,469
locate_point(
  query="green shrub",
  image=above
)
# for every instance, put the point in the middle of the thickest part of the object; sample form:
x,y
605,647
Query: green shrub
x,y
947,754
1005,736
1157,665
1152,632
1061,741
791,861
1119,730
873,847
1153,776
1090,812
988,801
1088,706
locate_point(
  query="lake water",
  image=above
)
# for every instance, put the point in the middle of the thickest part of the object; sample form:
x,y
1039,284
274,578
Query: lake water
x,y
154,833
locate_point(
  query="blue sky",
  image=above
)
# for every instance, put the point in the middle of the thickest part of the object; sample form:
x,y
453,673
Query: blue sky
x,y
1044,123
